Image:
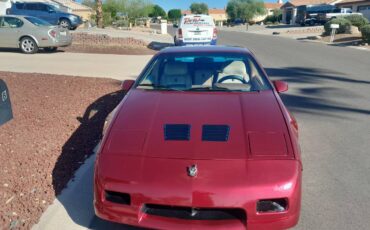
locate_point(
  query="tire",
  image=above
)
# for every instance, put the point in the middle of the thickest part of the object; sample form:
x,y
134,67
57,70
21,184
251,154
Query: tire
x,y
50,49
73,28
65,23
28,45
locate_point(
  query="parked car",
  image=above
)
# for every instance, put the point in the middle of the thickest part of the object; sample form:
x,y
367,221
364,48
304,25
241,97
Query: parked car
x,y
30,33
202,140
46,12
6,113
337,12
196,29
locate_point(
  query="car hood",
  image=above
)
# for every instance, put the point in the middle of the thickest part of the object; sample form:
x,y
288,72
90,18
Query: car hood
x,y
257,128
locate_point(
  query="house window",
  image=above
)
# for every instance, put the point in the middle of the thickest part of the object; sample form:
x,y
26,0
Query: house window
x,y
361,8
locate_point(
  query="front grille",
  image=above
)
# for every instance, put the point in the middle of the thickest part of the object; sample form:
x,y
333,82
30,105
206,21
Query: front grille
x,y
195,213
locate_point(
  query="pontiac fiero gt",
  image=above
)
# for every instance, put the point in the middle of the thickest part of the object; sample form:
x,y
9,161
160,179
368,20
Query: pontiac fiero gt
x,y
202,140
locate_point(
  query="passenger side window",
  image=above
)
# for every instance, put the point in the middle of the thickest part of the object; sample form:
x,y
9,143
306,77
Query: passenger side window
x,y
19,6
10,22
43,7
32,6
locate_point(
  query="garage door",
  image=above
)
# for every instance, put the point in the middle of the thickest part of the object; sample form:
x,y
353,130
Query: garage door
x,y
365,10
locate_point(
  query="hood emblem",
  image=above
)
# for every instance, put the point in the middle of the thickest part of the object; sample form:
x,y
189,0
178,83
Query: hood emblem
x,y
192,170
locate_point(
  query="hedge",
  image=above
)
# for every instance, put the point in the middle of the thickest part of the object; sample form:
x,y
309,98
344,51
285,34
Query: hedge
x,y
365,30
344,25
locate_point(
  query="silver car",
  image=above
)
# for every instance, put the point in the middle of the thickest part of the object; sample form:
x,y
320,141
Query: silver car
x,y
30,33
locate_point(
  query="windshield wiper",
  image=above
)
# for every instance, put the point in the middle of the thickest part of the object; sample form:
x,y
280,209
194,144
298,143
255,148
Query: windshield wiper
x,y
209,88
160,87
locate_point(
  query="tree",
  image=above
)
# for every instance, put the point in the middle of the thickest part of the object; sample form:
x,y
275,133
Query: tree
x,y
157,11
245,9
174,14
99,13
199,8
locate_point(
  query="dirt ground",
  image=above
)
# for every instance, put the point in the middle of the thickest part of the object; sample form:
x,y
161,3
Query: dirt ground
x,y
78,48
57,122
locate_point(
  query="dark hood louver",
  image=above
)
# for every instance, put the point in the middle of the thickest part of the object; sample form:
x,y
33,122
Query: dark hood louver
x,y
177,132
215,132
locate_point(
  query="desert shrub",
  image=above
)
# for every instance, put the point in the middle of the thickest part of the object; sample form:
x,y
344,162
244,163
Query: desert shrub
x,y
121,23
365,30
344,25
357,20
252,23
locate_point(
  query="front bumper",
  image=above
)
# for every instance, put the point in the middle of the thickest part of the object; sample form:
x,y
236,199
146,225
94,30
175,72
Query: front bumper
x,y
205,195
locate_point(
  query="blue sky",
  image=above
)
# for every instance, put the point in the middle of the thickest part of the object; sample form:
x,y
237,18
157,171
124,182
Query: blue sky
x,y
184,4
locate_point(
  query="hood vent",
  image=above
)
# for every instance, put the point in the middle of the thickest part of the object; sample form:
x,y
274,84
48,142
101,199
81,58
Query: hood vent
x,y
177,132
215,132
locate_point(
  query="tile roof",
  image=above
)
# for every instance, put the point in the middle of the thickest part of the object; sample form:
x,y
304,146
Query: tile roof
x,y
271,5
352,1
308,2
210,11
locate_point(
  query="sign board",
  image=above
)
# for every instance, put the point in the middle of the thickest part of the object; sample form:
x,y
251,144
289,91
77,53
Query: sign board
x,y
334,26
6,113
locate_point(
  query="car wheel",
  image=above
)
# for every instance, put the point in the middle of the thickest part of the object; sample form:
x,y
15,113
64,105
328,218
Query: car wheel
x,y
65,23
50,49
28,45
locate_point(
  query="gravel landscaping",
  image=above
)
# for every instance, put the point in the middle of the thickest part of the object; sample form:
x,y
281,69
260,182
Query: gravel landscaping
x,y
58,121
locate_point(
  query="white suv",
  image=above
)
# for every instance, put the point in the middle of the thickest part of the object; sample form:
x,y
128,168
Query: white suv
x,y
196,29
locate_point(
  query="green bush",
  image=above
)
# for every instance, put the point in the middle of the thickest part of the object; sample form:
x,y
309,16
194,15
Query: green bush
x,y
365,30
344,25
357,20
121,23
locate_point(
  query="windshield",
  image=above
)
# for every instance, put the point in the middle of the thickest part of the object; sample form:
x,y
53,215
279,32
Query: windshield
x,y
37,21
203,72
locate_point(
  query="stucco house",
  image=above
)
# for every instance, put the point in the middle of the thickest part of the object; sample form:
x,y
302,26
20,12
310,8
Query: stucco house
x,y
290,8
218,15
361,6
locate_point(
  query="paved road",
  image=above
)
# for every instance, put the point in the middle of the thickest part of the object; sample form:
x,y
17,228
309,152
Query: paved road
x,y
330,97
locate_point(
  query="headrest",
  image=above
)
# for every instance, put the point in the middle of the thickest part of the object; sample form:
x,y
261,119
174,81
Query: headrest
x,y
235,68
175,68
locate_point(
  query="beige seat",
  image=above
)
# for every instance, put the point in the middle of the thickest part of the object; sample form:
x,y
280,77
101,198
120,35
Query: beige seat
x,y
236,68
176,74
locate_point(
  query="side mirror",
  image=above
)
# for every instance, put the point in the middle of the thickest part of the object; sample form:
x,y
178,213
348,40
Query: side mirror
x,y
280,86
6,113
127,84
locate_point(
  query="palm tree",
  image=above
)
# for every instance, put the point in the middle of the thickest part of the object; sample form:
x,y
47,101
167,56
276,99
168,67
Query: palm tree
x,y
99,13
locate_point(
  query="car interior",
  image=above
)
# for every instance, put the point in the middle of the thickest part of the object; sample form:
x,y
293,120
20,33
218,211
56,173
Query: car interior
x,y
203,72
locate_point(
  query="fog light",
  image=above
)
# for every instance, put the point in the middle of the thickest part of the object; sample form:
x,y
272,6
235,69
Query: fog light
x,y
273,205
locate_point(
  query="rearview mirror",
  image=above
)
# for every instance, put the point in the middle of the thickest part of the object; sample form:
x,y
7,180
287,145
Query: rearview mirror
x,y
6,113
127,84
280,86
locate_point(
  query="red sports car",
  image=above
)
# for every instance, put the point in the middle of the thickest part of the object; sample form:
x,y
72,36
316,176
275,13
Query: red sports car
x,y
202,140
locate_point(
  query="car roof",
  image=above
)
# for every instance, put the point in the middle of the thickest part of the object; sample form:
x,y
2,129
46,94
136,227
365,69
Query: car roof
x,y
205,49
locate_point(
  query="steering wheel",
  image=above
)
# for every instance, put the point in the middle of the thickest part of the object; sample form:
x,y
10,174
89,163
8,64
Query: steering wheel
x,y
232,77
